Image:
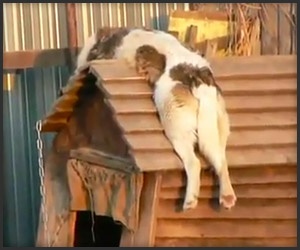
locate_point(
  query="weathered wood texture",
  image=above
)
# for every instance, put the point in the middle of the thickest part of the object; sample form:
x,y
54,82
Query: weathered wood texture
x,y
278,29
59,229
265,214
145,235
261,97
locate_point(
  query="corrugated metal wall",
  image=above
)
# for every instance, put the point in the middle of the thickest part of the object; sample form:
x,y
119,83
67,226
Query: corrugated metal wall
x,y
30,93
44,25
26,99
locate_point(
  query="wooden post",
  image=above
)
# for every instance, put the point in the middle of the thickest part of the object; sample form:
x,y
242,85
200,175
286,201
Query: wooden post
x,y
72,33
60,229
269,33
145,234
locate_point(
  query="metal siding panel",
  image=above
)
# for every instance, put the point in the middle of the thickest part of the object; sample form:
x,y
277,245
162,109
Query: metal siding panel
x,y
96,15
44,25
30,98
34,26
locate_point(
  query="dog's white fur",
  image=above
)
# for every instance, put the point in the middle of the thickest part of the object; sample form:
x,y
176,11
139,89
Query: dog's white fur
x,y
208,126
88,45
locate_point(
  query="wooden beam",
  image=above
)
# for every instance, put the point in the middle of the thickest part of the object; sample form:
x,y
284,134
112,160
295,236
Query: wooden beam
x,y
201,15
191,37
72,32
104,159
37,58
145,235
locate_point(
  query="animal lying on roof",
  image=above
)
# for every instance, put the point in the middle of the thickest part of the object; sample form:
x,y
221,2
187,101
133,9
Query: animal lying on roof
x,y
189,102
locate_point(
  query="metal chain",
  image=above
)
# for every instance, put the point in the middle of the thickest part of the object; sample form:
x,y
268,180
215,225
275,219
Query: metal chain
x,y
39,144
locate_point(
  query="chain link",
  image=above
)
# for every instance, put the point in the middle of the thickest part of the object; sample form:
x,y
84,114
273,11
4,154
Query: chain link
x,y
39,145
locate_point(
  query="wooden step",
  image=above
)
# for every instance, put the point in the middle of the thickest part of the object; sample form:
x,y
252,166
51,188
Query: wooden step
x,y
270,66
52,125
233,103
227,67
260,209
239,176
201,228
262,191
247,138
113,70
237,158
132,123
138,88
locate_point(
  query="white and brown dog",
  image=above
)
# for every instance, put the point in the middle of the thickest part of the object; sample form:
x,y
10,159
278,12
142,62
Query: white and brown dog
x,y
189,102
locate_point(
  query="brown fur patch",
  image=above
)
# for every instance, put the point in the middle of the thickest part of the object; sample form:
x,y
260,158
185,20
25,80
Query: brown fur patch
x,y
193,76
183,97
108,39
150,62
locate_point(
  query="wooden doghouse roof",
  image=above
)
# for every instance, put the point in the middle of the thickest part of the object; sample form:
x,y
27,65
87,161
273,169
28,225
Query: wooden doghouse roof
x,y
260,93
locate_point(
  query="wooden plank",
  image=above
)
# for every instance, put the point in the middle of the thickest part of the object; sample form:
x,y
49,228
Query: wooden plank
x,y
234,67
72,87
106,70
237,139
139,88
269,34
80,199
245,67
71,231
133,123
127,238
202,15
145,234
262,86
103,159
223,242
260,209
181,228
284,28
294,28
59,224
237,158
58,114
267,102
36,58
65,102
233,103
262,191
238,176
72,32
219,43
52,126
268,120
191,36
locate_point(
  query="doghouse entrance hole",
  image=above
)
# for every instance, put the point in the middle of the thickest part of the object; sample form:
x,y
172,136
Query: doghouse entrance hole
x,y
107,232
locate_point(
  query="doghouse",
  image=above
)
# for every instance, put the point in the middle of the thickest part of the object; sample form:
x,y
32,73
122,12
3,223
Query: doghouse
x,y
118,163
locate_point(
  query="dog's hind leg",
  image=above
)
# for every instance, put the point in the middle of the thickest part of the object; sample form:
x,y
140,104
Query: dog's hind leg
x,y
185,150
227,196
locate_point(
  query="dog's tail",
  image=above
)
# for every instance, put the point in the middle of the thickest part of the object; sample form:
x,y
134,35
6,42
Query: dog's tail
x,y
209,140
